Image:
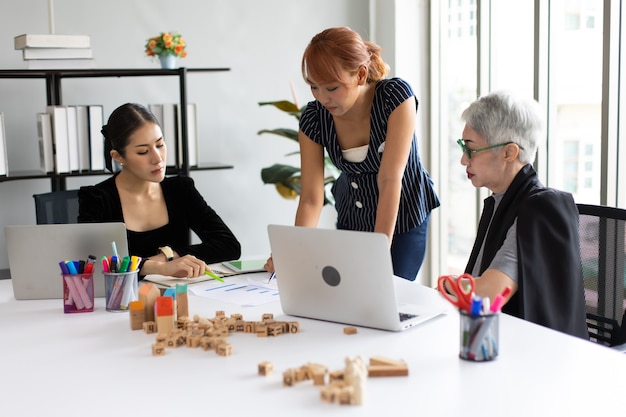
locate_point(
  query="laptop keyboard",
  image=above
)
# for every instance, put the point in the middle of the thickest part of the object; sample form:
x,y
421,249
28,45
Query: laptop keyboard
x,y
406,316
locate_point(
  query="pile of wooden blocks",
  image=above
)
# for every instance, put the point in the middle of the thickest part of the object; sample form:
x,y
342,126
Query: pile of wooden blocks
x,y
212,333
345,386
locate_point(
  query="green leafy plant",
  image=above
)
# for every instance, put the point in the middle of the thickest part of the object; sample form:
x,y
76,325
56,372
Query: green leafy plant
x,y
286,178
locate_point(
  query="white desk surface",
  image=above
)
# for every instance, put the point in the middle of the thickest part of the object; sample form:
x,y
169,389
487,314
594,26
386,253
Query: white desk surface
x,y
92,364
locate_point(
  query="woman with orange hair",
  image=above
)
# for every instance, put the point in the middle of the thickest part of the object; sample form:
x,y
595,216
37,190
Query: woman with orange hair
x,y
366,124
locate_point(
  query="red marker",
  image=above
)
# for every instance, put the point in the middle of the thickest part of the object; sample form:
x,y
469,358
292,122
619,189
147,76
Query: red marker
x,y
91,260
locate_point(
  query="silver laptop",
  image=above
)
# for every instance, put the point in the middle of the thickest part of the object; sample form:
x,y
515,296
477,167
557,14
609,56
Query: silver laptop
x,y
341,276
35,252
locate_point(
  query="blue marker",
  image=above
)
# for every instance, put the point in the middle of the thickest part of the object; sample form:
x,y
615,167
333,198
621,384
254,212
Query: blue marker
x,y
114,267
71,267
477,304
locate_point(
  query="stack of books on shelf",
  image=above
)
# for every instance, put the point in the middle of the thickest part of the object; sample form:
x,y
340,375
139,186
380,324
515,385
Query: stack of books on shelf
x,y
55,51
70,139
169,117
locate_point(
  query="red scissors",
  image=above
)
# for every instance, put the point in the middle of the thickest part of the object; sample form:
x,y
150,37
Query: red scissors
x,y
458,291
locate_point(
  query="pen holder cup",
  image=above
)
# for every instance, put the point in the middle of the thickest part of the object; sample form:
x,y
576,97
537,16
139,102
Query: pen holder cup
x,y
120,289
479,338
78,293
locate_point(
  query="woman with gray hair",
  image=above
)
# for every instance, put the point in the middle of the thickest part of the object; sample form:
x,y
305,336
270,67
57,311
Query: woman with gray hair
x,y
527,238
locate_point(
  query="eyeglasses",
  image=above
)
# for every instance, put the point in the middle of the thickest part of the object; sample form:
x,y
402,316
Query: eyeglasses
x,y
470,152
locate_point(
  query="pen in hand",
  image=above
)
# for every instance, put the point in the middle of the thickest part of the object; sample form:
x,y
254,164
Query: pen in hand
x,y
213,275
272,276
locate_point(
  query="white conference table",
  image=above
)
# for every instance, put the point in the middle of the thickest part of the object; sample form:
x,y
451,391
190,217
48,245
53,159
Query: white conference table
x,y
92,364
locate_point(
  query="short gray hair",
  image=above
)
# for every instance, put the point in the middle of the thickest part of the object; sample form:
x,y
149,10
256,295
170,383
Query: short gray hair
x,y
502,117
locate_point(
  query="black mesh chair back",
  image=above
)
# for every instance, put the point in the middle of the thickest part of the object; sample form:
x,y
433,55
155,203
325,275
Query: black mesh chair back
x,y
57,207
602,233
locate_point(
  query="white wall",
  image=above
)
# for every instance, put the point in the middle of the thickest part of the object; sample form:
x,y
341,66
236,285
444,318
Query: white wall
x,y
262,43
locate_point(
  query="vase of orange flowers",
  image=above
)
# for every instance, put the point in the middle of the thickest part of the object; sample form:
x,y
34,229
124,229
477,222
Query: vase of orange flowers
x,y
168,47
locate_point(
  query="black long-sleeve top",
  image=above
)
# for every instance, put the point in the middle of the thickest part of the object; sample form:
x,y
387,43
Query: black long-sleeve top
x,y
187,210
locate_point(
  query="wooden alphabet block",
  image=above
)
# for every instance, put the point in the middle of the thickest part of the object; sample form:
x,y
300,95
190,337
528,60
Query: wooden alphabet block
x,y
289,377
193,341
149,327
274,329
335,376
206,342
183,322
349,330
158,349
267,316
266,368
346,395
294,327
319,377
171,342
328,394
231,325
220,331
249,327
224,349
261,330
302,374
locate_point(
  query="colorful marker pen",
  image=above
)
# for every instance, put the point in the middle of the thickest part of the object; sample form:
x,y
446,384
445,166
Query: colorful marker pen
x,y
91,260
498,302
116,256
125,264
476,306
486,305
114,264
212,275
105,264
134,263
71,267
64,269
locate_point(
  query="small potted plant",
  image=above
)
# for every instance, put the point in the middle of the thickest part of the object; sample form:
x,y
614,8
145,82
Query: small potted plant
x,y
167,46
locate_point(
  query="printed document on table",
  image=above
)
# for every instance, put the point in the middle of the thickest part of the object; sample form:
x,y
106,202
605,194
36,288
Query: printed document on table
x,y
246,290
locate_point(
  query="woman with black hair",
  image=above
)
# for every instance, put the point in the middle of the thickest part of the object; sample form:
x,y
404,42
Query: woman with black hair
x,y
159,212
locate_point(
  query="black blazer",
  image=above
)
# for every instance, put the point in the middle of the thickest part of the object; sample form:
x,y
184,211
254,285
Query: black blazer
x,y
187,210
550,284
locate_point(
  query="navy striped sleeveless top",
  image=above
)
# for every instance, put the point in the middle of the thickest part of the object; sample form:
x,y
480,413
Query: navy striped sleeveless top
x,y
356,189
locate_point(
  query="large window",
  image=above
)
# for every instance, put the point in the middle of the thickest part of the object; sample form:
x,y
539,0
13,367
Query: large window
x,y
575,97
554,54
459,76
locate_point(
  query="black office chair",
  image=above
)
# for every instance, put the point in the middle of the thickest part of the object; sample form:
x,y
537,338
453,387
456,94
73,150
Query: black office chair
x,y
57,207
602,233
